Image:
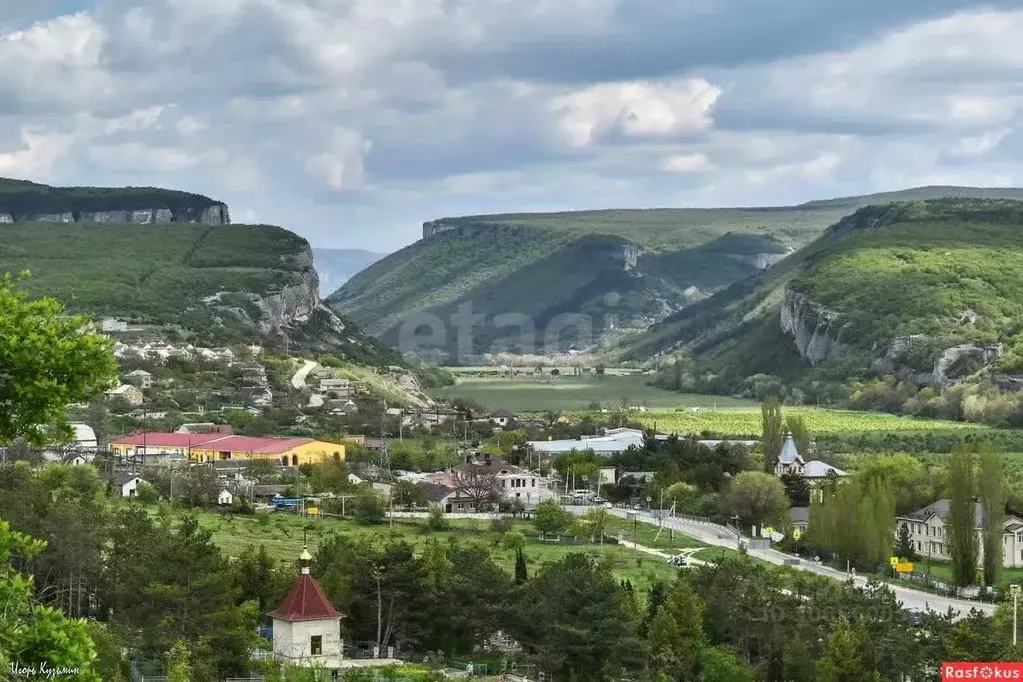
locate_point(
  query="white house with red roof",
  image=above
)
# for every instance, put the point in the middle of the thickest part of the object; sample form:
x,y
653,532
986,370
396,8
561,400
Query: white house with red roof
x,y
306,626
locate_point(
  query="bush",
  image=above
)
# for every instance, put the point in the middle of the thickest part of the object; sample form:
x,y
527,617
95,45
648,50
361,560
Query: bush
x,y
146,493
436,520
369,509
513,540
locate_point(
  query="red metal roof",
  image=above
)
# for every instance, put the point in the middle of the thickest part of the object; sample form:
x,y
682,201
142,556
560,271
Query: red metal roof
x,y
173,440
265,446
305,601
216,441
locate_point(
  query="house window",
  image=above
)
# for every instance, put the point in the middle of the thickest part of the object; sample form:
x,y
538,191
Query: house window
x,y
316,645
534,482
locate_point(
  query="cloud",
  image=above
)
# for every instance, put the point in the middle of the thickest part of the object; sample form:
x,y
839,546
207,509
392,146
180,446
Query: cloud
x,y
687,163
353,121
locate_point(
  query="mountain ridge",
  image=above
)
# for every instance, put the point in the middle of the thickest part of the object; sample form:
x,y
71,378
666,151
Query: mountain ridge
x,y
26,201
924,290
669,258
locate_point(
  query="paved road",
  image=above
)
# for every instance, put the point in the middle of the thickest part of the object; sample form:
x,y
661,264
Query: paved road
x,y
720,536
298,381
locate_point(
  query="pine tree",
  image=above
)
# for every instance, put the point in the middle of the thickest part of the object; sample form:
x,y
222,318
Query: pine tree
x,y
521,572
991,492
771,417
961,525
904,547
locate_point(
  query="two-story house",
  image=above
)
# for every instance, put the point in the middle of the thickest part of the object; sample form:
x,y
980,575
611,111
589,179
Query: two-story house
x,y
929,534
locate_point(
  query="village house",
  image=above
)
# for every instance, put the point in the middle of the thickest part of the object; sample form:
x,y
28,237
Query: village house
x,y
428,417
140,378
341,388
211,447
128,393
513,482
502,418
129,484
110,324
225,497
205,427
928,533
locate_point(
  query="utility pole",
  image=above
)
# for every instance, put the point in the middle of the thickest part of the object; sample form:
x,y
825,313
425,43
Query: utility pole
x,y
1014,588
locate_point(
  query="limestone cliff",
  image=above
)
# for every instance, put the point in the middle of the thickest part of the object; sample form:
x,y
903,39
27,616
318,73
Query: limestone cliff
x,y
466,228
816,331
760,261
215,214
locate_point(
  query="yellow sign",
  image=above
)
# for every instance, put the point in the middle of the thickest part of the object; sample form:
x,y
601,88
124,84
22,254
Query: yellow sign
x,y
904,568
893,560
311,511
796,534
768,531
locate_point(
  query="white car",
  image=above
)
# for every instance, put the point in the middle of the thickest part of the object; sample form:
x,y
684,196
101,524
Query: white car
x,y
679,560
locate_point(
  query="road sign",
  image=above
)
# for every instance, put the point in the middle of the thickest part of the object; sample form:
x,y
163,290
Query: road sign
x,y
893,560
1014,590
796,534
904,568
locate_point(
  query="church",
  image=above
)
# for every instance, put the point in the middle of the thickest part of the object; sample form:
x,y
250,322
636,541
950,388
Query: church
x,y
306,626
791,462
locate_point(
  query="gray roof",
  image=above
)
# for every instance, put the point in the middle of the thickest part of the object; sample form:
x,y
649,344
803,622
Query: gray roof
x,y
789,454
435,492
940,509
799,514
124,478
818,469
502,413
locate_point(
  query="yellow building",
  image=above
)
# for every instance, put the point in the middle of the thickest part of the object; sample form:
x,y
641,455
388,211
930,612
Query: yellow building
x,y
211,447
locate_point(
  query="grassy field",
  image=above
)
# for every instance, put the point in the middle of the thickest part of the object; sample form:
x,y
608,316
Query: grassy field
x,y
747,422
575,394
284,534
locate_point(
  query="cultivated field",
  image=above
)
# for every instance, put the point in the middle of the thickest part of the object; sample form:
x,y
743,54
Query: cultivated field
x,y
576,394
747,421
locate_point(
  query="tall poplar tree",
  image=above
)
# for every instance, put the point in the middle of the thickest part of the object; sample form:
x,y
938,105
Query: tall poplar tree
x,y
800,434
991,494
770,411
876,520
961,524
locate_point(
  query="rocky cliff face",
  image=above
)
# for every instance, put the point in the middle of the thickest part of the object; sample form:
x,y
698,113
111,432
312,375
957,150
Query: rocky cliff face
x,y
760,261
953,363
215,214
815,330
436,227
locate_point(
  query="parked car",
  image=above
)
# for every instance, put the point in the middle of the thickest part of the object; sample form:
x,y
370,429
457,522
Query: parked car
x,y
679,560
915,617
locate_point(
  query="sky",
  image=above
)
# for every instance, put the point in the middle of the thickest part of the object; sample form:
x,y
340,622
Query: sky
x,y
352,122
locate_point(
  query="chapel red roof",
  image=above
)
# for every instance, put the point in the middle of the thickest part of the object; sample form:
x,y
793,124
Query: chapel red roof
x,y
305,601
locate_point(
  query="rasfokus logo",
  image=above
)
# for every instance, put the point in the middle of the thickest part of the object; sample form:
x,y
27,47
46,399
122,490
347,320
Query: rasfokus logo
x,y
981,671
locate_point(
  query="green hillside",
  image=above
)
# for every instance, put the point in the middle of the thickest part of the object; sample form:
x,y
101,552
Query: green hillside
x,y
624,270
937,274
153,273
24,198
